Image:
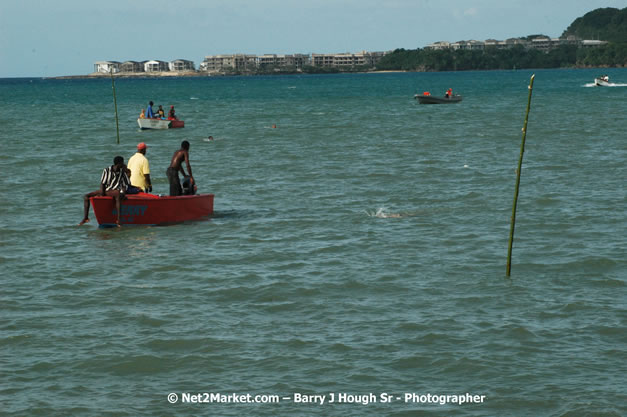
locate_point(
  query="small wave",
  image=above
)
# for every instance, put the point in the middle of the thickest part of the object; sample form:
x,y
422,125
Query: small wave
x,y
194,98
380,213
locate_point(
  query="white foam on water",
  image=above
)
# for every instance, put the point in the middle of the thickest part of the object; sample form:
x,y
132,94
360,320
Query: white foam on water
x,y
380,213
608,85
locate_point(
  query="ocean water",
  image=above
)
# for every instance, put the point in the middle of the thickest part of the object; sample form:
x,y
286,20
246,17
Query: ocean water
x,y
357,251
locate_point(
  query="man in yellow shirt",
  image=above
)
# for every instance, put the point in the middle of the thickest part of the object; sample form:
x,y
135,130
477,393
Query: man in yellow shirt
x,y
140,169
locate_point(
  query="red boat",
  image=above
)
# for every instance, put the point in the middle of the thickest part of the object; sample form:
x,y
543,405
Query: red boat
x,y
151,209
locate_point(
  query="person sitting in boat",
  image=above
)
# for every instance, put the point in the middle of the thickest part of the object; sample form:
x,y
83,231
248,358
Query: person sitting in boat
x,y
161,112
114,183
140,170
449,93
171,114
142,115
149,113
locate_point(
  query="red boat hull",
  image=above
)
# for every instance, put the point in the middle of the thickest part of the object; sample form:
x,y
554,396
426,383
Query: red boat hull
x,y
151,209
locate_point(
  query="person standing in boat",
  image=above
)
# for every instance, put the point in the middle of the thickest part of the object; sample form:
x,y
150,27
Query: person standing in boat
x,y
114,183
140,169
149,112
176,165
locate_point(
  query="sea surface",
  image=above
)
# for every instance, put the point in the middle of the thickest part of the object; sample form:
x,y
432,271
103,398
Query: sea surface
x,y
357,251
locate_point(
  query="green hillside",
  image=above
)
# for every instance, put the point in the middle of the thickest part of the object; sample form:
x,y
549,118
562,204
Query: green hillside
x,y
608,24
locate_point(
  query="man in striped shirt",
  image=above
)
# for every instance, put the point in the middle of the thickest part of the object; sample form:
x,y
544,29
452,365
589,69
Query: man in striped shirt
x,y
114,182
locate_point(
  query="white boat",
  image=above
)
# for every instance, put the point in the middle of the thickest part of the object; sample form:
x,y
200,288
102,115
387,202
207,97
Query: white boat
x,y
602,81
159,123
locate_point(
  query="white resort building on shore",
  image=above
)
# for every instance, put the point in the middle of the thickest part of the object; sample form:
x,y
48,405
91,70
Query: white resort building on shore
x,y
181,65
106,67
347,59
156,66
239,62
243,62
297,61
178,65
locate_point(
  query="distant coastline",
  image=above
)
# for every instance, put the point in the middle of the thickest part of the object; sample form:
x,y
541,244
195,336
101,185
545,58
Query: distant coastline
x,y
198,74
164,74
175,74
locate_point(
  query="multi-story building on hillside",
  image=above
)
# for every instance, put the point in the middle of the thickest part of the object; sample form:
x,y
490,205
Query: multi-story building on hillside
x,y
541,43
297,61
347,59
237,62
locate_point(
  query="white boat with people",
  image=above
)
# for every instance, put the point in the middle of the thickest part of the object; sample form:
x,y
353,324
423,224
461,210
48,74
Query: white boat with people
x,y
602,81
150,120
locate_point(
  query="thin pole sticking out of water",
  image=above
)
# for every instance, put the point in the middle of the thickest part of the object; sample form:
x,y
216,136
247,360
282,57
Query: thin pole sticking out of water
x,y
522,151
115,104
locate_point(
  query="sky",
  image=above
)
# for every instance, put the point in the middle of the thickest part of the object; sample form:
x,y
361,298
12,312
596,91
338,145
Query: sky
x,y
42,38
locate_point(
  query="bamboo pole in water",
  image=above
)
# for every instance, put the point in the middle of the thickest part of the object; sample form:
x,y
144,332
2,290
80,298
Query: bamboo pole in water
x,y
115,104
518,171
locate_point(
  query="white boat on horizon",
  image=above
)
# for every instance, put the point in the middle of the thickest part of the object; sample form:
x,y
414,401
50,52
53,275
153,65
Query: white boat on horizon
x,y
602,81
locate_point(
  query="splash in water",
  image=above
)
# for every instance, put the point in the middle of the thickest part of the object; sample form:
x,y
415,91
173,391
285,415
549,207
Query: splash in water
x,y
380,213
608,85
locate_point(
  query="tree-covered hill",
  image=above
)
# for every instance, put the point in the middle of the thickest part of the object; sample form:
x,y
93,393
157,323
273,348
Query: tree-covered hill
x,y
490,58
608,24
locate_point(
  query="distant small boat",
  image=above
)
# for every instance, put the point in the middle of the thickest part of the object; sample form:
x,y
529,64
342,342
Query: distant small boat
x,y
429,99
602,81
159,123
150,209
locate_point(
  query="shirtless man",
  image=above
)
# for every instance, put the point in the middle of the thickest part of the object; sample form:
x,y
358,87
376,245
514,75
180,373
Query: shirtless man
x,y
177,165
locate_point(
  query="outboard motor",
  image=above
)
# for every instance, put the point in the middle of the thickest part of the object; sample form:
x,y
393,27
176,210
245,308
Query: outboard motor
x,y
188,187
